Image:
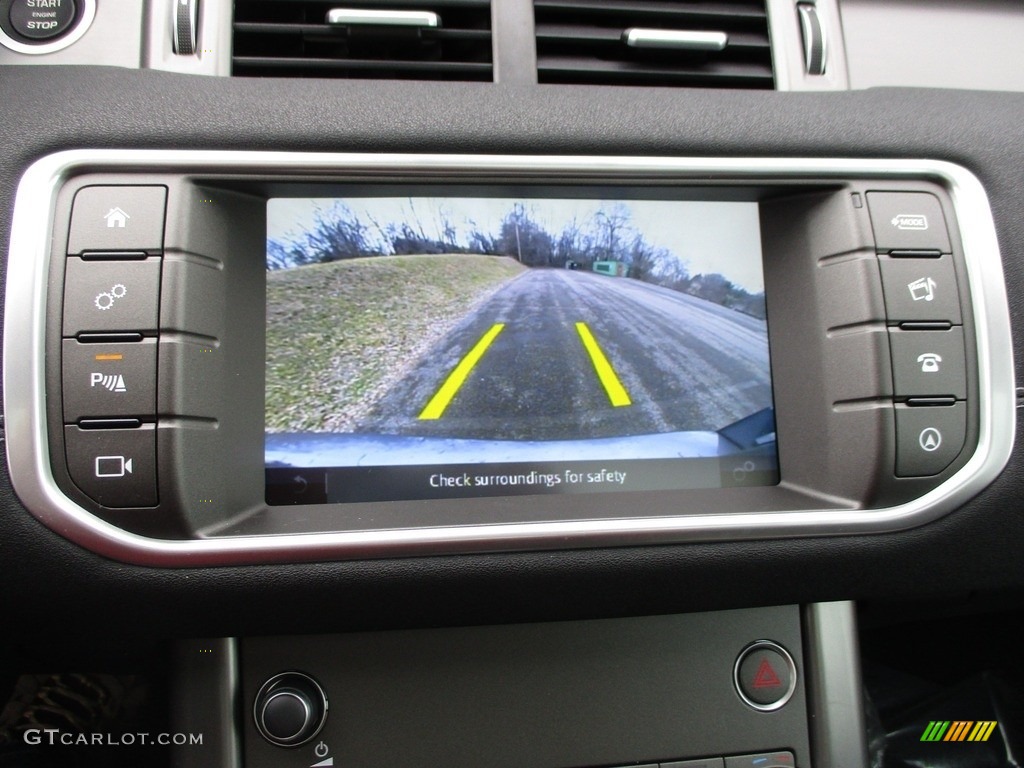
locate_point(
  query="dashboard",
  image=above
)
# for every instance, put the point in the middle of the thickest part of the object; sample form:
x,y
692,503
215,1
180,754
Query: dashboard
x,y
632,383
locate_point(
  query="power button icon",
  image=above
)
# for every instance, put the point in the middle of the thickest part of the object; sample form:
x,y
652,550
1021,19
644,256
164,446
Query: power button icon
x,y
321,750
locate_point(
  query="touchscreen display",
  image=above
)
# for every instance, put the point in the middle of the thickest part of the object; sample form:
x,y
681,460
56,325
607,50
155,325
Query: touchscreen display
x,y
460,347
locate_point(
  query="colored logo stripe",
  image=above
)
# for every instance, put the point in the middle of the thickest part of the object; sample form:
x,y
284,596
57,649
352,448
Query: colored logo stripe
x,y
935,731
982,730
959,730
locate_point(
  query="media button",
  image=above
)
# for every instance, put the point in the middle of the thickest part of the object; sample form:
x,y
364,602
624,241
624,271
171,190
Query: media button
x,y
920,290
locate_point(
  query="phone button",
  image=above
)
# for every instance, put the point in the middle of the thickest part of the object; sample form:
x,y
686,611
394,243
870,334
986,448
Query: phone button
x,y
928,363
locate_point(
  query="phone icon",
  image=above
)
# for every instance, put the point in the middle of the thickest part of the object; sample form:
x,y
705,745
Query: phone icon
x,y
929,362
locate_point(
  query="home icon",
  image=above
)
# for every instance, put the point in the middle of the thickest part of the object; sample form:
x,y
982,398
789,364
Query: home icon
x,y
116,218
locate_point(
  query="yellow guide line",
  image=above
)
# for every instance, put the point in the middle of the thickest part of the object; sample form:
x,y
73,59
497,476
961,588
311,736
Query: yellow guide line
x,y
609,380
110,356
436,407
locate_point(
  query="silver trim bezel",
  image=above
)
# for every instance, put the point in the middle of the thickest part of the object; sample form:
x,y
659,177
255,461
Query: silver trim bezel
x,y
25,395
70,38
834,688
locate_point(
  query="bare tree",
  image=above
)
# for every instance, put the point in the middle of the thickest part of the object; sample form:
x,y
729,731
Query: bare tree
x,y
613,226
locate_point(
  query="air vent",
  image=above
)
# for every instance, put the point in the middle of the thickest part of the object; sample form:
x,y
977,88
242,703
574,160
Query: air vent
x,y
647,42
414,40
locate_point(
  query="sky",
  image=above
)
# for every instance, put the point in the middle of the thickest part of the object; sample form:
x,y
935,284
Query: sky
x,y
722,237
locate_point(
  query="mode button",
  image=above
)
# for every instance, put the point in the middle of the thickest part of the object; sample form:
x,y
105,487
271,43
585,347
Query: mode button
x,y
910,221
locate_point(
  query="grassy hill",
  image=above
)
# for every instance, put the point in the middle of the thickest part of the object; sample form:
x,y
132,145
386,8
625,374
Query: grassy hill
x,y
339,334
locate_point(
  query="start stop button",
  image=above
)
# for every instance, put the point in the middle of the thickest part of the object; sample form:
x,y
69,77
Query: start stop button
x,y
42,19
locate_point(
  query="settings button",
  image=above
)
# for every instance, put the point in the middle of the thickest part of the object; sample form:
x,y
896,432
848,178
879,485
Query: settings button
x,y
111,296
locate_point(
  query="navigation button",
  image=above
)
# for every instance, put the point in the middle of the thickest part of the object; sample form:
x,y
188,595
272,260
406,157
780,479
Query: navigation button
x,y
109,380
113,467
920,290
929,363
118,219
928,438
111,296
908,221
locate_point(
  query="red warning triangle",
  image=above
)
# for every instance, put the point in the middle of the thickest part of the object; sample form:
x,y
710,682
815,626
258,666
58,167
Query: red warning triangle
x,y
766,677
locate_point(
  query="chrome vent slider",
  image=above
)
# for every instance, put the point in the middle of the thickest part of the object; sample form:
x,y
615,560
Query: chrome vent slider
x,y
680,40
348,17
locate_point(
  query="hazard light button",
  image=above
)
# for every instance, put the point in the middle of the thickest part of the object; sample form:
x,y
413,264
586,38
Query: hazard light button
x,y
765,675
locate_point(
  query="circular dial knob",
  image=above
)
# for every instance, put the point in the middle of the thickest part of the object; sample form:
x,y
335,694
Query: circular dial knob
x,y
290,709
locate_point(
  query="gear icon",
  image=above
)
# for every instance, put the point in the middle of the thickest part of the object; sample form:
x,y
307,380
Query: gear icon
x,y
106,299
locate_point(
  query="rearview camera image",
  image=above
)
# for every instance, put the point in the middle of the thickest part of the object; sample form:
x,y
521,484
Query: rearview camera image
x,y
447,347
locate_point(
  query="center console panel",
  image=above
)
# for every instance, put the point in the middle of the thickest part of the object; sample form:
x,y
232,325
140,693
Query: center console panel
x,y
138,419
770,687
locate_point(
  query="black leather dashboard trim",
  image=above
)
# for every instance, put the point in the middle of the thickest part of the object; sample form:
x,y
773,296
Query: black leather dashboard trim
x,y
50,584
